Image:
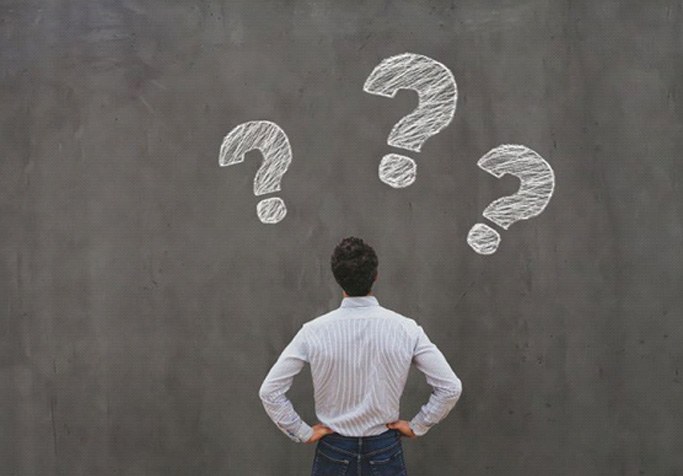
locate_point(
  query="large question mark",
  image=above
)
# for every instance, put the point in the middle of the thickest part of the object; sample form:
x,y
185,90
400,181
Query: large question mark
x,y
273,144
437,94
537,186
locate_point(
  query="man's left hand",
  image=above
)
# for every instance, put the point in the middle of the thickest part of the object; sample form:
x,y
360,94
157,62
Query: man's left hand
x,y
319,430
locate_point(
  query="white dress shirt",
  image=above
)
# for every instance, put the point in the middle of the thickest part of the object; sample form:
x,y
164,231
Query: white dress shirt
x,y
360,355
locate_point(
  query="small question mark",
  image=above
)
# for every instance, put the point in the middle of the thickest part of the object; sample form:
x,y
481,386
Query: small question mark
x,y
437,94
535,191
273,144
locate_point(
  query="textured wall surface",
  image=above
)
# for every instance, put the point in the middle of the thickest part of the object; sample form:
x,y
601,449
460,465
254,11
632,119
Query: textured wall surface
x,y
142,301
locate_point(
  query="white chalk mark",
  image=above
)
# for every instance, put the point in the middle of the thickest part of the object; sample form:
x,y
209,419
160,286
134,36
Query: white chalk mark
x,y
437,94
158,84
483,239
147,105
271,210
273,143
537,186
397,171
537,183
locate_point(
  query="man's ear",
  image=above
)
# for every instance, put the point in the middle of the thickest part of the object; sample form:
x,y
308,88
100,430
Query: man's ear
x,y
376,274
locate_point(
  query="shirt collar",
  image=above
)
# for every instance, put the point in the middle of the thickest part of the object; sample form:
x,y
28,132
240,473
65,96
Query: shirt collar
x,y
359,301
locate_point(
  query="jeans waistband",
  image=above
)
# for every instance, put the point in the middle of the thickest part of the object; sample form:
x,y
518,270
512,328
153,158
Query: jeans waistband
x,y
389,432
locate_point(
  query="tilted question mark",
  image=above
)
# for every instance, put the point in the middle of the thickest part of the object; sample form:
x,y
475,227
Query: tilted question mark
x,y
273,144
535,191
438,95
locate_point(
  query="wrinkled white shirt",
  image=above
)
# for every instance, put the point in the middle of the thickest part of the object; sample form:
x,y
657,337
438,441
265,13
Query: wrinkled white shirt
x,y
360,355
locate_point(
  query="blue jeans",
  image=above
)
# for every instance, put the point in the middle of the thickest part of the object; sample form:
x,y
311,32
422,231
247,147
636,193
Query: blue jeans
x,y
378,455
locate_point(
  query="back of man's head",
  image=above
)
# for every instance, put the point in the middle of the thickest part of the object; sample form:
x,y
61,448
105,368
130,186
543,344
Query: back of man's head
x,y
354,265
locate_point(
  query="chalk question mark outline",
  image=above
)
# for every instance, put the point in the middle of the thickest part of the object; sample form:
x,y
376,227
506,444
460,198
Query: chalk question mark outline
x,y
269,139
437,101
535,191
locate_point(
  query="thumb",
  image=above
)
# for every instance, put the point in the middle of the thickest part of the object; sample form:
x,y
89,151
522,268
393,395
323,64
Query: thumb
x,y
391,425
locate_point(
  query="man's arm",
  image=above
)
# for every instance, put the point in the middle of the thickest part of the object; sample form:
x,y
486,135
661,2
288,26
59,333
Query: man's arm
x,y
277,383
447,387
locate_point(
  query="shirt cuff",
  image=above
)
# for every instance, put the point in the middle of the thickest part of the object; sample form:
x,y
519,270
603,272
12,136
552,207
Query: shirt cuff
x,y
418,428
303,434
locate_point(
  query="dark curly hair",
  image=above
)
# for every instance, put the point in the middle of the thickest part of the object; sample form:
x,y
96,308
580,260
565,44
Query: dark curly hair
x,y
354,265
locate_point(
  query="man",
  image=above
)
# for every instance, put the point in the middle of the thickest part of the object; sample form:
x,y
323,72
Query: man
x,y
360,355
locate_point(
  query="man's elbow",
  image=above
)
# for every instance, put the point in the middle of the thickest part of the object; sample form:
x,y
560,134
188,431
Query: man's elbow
x,y
265,393
452,392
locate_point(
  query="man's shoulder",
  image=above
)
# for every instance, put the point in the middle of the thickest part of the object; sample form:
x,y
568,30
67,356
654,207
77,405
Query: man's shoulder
x,y
321,318
408,323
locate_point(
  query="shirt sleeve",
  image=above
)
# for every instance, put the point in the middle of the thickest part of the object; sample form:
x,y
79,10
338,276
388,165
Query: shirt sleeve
x,y
446,386
278,381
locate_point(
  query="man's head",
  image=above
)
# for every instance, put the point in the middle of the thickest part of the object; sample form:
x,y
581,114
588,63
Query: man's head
x,y
354,265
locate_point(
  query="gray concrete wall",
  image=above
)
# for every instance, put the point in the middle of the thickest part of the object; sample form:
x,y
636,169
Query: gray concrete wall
x,y
142,301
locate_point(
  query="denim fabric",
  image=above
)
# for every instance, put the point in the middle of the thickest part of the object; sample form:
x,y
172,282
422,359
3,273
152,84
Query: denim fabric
x,y
379,455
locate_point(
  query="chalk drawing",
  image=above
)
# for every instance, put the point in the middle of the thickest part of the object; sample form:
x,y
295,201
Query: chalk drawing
x,y
483,239
273,143
536,188
437,97
397,170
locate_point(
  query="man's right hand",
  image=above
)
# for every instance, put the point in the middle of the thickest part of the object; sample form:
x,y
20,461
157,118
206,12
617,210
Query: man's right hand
x,y
403,427
319,430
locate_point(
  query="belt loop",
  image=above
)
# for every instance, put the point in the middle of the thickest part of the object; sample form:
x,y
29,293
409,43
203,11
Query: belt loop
x,y
360,454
